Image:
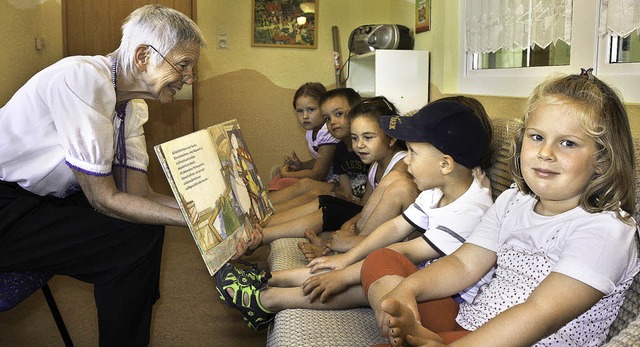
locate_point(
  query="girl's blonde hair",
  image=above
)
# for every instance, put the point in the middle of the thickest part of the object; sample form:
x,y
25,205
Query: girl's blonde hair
x,y
603,117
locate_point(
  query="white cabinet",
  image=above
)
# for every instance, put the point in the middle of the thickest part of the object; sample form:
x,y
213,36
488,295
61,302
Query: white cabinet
x,y
402,76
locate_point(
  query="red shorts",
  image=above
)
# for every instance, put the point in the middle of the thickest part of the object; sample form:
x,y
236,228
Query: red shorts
x,y
438,316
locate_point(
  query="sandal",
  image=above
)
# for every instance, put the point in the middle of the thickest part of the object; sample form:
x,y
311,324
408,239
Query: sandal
x,y
254,276
254,314
260,276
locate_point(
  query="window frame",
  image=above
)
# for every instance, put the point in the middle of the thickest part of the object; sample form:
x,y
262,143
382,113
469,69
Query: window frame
x,y
588,49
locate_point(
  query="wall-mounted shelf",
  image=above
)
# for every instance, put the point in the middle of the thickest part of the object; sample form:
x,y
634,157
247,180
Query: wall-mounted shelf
x,y
402,76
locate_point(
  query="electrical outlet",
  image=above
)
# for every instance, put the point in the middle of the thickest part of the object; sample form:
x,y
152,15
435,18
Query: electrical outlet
x,y
222,41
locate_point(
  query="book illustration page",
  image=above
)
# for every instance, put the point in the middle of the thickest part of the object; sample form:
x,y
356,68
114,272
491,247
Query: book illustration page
x,y
204,196
217,187
246,184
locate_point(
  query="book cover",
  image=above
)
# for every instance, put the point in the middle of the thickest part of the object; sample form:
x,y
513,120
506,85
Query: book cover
x,y
217,186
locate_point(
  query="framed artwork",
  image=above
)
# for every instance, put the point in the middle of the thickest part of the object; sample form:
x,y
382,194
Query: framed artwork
x,y
423,15
289,23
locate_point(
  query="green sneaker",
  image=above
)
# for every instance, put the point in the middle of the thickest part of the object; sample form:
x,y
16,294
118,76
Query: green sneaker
x,y
256,277
246,296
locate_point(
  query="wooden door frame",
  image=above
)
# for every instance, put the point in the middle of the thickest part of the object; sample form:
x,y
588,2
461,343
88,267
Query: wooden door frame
x,y
63,5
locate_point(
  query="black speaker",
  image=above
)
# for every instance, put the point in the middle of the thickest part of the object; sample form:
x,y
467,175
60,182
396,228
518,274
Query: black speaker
x,y
367,38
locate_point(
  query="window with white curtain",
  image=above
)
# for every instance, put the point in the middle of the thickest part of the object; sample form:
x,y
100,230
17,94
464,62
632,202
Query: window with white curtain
x,y
508,46
620,22
518,33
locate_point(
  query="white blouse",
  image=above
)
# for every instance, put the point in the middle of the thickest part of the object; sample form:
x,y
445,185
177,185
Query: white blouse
x,y
64,117
594,248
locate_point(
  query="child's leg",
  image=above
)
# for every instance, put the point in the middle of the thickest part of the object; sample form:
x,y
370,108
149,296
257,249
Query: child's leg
x,y
276,299
290,277
294,213
310,196
300,187
293,228
382,271
258,302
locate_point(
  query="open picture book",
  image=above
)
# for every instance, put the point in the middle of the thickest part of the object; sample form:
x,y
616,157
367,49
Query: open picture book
x,y
216,184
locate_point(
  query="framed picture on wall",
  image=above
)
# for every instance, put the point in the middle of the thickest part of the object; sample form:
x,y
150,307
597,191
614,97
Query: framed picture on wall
x,y
284,23
423,15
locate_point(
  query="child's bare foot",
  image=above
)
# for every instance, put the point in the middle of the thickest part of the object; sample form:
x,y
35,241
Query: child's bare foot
x,y
312,251
314,239
403,322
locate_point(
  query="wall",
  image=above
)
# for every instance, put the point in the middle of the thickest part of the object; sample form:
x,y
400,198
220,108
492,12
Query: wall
x,y
256,84
23,21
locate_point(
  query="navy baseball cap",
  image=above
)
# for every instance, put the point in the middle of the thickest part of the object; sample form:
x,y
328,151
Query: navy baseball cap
x,y
449,126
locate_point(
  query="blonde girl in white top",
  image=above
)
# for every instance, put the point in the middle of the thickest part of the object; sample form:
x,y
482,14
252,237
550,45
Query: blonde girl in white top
x,y
563,240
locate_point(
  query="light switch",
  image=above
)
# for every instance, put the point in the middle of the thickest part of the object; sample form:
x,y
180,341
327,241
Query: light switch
x,y
39,43
223,38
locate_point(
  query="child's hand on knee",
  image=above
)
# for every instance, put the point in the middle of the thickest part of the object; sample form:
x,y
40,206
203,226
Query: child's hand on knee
x,y
331,262
324,285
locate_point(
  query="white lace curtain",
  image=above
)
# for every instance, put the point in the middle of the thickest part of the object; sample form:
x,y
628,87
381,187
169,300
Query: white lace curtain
x,y
518,24
620,17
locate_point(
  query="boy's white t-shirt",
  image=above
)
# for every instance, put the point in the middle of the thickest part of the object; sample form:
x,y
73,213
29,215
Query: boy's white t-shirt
x,y
64,117
446,228
594,248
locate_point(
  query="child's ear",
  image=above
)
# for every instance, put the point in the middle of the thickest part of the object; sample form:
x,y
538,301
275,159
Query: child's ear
x,y
141,57
392,142
446,164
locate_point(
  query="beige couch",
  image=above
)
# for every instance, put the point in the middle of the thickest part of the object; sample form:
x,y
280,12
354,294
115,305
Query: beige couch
x,y
357,327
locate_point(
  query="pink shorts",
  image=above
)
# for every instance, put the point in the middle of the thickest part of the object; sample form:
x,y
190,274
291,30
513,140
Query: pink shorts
x,y
278,182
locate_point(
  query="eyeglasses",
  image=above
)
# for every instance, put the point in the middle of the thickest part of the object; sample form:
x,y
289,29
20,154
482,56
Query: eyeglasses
x,y
186,79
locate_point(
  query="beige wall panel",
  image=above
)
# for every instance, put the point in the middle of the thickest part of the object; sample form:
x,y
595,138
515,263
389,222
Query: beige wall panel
x,y
264,112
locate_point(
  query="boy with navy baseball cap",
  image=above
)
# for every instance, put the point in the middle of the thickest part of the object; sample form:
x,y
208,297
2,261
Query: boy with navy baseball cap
x,y
451,127
446,140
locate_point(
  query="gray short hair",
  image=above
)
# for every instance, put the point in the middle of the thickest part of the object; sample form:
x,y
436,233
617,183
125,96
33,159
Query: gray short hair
x,y
162,27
